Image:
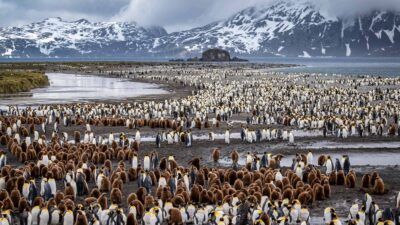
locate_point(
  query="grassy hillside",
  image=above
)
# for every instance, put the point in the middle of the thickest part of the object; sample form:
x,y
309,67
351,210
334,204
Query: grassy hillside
x,y
21,81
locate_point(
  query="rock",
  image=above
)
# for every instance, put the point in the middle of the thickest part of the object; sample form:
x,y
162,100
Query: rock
x,y
215,55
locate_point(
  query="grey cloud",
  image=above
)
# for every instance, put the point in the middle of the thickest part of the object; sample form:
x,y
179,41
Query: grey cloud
x,y
184,14
181,14
174,15
351,8
19,12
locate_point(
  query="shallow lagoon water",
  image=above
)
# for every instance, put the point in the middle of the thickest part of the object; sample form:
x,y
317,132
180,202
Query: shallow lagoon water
x,y
373,66
67,88
378,158
356,159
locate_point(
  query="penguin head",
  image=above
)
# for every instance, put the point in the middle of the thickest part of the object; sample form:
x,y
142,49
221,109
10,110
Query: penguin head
x,y
80,207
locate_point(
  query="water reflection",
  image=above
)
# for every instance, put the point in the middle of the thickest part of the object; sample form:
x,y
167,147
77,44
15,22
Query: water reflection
x,y
66,88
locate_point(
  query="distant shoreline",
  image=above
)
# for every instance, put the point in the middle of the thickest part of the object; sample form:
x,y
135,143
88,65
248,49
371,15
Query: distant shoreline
x,y
165,59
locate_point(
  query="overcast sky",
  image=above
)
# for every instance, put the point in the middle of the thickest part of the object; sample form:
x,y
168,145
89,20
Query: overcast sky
x,y
174,15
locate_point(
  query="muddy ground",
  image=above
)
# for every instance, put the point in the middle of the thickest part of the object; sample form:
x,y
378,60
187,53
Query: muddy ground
x,y
341,198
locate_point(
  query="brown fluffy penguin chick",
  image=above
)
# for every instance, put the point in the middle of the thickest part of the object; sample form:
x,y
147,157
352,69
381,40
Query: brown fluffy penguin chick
x,y
148,202
247,180
139,208
287,193
81,219
89,200
321,160
102,200
70,204
105,185
238,185
216,154
116,196
130,220
59,196
165,194
102,158
276,196
235,156
195,194
77,137
23,204
350,180
132,174
95,193
265,218
117,184
204,197
175,217
365,181
124,176
200,179
305,198
327,189
379,187
15,197
340,178
312,176
11,184
131,197
8,204
319,192
173,164
332,178
163,164
195,162
3,140
69,191
273,164
141,194
231,177
373,178
177,200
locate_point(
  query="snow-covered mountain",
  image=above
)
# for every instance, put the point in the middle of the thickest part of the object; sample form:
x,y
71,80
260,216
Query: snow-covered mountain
x,y
57,38
292,28
288,27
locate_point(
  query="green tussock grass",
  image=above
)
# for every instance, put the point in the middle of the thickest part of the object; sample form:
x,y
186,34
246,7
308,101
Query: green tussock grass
x,y
21,81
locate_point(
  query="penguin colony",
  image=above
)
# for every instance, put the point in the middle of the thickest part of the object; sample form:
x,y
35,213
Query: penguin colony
x,y
259,193
79,177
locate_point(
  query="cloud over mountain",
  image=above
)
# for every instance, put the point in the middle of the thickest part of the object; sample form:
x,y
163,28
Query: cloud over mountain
x,y
174,15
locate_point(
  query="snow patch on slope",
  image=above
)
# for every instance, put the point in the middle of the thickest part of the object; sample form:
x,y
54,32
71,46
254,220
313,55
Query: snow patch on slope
x,y
348,50
305,55
390,34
